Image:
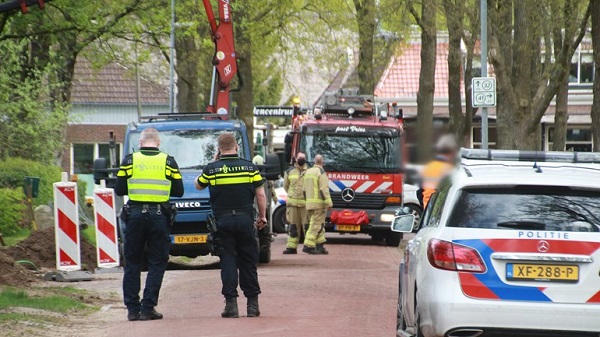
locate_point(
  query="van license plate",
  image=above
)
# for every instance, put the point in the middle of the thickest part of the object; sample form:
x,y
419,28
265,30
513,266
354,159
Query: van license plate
x,y
541,272
187,239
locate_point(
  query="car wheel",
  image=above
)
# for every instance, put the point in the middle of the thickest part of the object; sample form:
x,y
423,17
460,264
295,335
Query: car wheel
x,y
279,219
417,212
392,239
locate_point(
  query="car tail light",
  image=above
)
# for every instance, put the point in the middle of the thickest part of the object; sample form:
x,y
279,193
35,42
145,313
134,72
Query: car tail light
x,y
451,256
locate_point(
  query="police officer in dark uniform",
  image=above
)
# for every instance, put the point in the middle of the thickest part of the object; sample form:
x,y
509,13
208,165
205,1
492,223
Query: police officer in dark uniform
x,y
234,183
148,177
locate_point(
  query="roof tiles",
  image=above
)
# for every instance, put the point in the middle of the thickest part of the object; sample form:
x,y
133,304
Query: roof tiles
x,y
113,84
401,78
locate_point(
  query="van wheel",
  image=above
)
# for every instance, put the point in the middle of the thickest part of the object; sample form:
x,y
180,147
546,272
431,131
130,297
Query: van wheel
x,y
279,220
265,255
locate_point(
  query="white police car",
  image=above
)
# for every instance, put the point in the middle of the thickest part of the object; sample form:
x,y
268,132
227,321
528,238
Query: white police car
x,y
509,245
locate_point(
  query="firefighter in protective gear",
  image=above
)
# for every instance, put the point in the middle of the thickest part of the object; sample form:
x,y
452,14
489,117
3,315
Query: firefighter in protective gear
x,y
318,202
293,183
435,171
149,177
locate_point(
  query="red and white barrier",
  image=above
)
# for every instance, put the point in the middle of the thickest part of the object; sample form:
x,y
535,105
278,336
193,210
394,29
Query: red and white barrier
x,y
66,225
105,217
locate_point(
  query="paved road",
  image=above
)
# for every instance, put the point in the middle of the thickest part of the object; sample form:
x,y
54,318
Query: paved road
x,y
350,292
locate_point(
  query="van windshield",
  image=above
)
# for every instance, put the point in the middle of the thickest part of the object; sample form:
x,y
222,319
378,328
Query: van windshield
x,y
192,149
528,208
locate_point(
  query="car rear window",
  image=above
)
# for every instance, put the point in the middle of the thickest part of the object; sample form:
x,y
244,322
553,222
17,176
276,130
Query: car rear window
x,y
528,208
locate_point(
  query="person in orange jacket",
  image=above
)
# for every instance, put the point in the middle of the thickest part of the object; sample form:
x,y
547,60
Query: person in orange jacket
x,y
435,171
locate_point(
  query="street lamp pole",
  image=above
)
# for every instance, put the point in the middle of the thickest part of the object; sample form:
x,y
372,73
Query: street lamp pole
x,y
484,50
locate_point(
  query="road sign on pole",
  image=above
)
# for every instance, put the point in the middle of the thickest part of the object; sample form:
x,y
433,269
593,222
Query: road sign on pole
x,y
484,92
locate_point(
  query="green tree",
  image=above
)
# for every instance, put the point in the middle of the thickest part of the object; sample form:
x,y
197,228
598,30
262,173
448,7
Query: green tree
x,y
29,129
525,90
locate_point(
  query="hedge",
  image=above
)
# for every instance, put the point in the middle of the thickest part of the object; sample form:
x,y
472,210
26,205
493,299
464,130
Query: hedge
x,y
14,171
11,210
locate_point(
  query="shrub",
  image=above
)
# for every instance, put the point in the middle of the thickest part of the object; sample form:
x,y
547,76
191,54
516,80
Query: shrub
x,y
11,210
14,171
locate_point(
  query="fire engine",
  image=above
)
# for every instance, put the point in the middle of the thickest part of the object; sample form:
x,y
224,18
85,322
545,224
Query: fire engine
x,y
361,142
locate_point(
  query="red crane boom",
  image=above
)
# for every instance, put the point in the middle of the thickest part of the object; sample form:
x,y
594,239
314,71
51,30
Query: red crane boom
x,y
224,59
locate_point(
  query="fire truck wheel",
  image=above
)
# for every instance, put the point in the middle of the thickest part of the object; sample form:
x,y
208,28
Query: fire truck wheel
x,y
378,237
392,239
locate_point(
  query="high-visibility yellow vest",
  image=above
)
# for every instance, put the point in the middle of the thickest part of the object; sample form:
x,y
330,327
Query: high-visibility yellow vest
x,y
148,182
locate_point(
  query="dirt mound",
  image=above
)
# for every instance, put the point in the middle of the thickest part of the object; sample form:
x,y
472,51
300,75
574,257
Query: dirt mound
x,y
11,274
40,249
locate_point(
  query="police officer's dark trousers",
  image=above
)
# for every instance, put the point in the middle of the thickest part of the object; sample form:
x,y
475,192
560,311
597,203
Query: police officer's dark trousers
x,y
145,229
240,251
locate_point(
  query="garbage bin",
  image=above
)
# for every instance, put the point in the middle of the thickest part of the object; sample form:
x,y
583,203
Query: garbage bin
x,y
31,184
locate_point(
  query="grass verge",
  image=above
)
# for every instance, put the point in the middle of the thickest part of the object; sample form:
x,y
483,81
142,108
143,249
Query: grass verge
x,y
16,238
52,299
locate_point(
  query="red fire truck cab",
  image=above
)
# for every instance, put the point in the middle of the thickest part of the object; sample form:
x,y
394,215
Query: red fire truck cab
x,y
361,142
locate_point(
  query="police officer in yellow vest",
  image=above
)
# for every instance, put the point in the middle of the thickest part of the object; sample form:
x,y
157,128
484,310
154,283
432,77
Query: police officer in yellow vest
x,y
149,177
293,183
434,171
318,202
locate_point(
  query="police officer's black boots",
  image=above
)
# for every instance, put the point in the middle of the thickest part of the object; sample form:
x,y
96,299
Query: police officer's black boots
x,y
150,315
231,308
252,307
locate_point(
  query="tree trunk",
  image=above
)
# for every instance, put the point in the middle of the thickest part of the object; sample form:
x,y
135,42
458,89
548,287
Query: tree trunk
x,y
365,13
457,119
523,95
188,86
426,80
245,96
596,45
560,116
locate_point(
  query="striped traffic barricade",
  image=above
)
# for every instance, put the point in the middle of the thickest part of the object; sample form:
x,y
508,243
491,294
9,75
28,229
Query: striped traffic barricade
x,y
66,225
107,249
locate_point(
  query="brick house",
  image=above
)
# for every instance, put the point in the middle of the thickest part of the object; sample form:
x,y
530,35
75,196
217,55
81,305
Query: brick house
x,y
105,100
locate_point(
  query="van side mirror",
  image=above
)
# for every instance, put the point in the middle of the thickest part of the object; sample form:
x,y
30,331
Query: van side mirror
x,y
101,171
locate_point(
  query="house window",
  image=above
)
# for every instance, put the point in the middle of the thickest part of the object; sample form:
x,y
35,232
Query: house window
x,y
83,158
578,139
581,72
104,152
84,155
476,137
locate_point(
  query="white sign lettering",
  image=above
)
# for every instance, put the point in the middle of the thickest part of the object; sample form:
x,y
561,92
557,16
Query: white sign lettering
x,y
188,204
350,129
348,176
